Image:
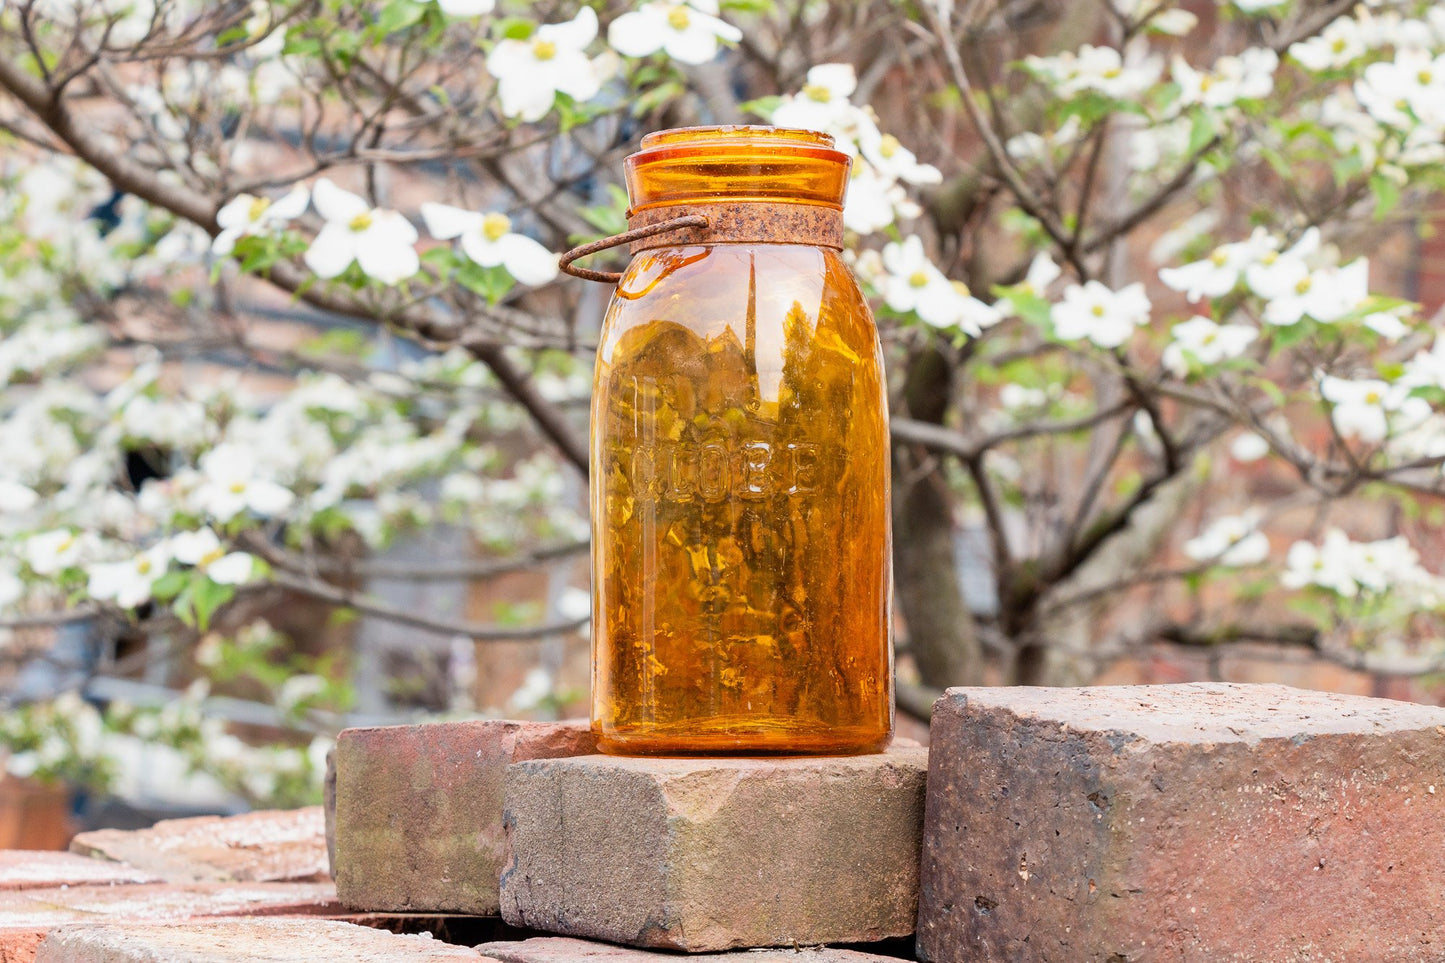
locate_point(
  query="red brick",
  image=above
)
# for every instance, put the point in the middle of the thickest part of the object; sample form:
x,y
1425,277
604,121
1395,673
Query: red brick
x,y
419,810
242,941
272,846
561,949
704,855
26,916
39,868
1199,822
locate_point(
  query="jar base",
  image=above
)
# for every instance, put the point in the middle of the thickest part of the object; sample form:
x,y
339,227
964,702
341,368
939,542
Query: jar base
x,y
773,741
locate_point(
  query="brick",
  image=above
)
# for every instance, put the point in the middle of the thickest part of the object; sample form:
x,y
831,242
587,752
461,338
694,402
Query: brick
x,y
419,810
561,949
1198,822
715,854
244,940
37,869
259,847
27,915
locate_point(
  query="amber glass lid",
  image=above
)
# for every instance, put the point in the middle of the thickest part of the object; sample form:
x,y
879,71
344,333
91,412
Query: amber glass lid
x,y
775,164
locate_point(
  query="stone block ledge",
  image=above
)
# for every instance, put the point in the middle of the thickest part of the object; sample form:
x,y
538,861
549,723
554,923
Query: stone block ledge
x,y
709,854
1208,822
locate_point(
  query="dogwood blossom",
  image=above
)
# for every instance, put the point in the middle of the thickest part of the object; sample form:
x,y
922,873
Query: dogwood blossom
x,y
1107,318
230,483
379,240
50,553
1339,44
1234,540
1219,273
914,283
1042,272
1248,447
247,214
1100,69
488,240
1426,369
1249,76
1349,568
1361,409
530,73
1206,343
687,32
1276,272
1325,294
823,102
466,8
203,549
128,583
1406,91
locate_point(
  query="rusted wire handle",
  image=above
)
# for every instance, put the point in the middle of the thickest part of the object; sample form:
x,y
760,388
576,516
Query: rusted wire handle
x,y
626,237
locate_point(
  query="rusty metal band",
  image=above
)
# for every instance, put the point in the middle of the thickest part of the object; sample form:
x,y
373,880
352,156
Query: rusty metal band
x,y
756,222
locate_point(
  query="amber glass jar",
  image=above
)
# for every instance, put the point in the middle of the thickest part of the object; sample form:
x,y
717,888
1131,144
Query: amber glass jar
x,y
739,463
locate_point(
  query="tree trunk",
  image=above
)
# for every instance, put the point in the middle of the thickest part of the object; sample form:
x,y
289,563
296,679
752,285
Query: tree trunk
x,y
940,627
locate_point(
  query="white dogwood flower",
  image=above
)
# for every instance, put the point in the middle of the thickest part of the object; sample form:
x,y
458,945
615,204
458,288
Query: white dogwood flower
x,y
1338,45
488,240
231,483
52,552
1105,317
1206,342
1361,409
1100,69
914,283
530,73
466,8
1218,274
129,583
823,102
687,32
1275,272
1327,565
203,549
1234,540
1248,76
247,214
379,240
1248,447
1325,294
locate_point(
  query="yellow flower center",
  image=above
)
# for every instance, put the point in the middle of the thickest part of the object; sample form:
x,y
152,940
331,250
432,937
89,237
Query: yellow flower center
x,y
1219,258
65,545
1112,72
817,92
678,19
143,565
1209,338
361,222
237,487
1303,285
1339,45
918,279
257,208
962,289
1372,398
544,49
1097,310
495,226
1425,77
1269,258
213,555
888,146
1205,83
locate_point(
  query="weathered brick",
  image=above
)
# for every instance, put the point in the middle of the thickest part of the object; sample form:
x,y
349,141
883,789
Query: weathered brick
x,y
27,915
419,810
241,941
37,869
715,854
561,949
1199,822
259,847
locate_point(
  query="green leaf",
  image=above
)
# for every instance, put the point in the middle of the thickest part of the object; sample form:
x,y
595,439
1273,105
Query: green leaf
x,y
1201,130
1387,194
492,283
169,585
762,106
398,15
515,28
207,597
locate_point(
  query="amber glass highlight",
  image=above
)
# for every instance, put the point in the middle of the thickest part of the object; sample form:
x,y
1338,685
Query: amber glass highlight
x,y
740,494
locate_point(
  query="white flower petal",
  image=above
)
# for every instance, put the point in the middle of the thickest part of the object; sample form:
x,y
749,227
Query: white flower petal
x,y
637,34
337,205
232,569
527,260
333,250
445,222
